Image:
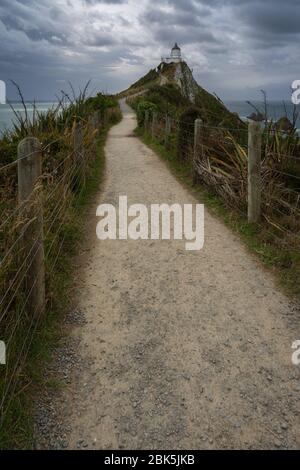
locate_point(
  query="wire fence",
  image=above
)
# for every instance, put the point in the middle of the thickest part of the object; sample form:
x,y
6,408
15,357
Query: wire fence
x,y
38,194
255,172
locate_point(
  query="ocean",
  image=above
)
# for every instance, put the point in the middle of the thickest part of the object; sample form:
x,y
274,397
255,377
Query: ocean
x,y
275,111
7,116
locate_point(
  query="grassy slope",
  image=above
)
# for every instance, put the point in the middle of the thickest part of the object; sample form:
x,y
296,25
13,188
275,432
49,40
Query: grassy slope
x,y
151,78
17,430
169,98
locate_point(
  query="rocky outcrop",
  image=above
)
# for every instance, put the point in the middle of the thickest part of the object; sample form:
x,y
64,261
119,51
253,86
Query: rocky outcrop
x,y
181,75
160,87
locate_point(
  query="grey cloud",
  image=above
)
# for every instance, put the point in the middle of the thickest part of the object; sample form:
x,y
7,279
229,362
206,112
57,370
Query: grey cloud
x,y
183,36
95,2
186,26
192,6
101,40
46,40
274,18
35,34
162,18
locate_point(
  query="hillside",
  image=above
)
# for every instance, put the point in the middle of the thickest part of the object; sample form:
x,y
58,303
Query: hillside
x,y
173,89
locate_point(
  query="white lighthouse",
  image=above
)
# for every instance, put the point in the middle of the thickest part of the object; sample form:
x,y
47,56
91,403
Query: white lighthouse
x,y
175,55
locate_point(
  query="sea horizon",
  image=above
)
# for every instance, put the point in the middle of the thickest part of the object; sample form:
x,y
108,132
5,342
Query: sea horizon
x,y
276,110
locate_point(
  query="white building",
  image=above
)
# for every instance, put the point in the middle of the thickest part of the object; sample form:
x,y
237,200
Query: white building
x,y
175,55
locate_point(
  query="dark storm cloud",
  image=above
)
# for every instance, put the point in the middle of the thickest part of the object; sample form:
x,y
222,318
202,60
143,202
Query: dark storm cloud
x,y
94,2
272,17
33,33
100,40
162,18
183,12
191,6
186,22
269,25
233,45
183,36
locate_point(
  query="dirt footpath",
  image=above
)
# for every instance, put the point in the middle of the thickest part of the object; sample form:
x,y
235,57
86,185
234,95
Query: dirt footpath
x,y
173,349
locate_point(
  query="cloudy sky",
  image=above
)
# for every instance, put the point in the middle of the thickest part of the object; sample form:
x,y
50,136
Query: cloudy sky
x,y
235,47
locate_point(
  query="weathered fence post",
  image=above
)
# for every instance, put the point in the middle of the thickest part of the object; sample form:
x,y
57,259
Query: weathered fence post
x,y
29,171
146,120
79,151
198,147
93,121
254,172
105,116
78,142
153,124
99,114
167,129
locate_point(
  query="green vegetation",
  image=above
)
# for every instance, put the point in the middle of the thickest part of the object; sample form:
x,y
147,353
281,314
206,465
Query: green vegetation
x,y
67,189
150,77
17,429
141,108
221,163
165,99
170,89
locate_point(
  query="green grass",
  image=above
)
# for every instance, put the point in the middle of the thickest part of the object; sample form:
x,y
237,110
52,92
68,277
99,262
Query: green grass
x,y
17,429
284,264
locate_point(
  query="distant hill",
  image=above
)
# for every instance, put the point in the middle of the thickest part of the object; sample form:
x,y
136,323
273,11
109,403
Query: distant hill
x,y
172,88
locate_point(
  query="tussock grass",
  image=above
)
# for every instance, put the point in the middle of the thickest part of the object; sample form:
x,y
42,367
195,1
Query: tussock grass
x,y
17,429
67,188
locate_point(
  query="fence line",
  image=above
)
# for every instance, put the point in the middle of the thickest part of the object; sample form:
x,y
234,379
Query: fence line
x,y
244,166
32,237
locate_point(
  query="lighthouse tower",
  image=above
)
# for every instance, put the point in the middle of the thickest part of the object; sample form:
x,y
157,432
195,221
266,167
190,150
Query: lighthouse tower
x,y
176,53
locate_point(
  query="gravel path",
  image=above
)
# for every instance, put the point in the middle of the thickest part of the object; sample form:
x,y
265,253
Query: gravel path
x,y
175,349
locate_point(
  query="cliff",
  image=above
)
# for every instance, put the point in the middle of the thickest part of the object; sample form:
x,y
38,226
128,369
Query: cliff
x,y
172,87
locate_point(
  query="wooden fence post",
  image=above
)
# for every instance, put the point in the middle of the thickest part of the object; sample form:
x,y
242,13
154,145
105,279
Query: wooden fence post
x,y
79,151
153,124
167,129
95,121
198,147
99,119
254,172
78,137
29,171
105,115
95,131
146,120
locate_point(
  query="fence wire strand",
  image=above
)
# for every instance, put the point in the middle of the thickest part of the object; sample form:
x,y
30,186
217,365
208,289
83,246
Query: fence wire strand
x,y
55,193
